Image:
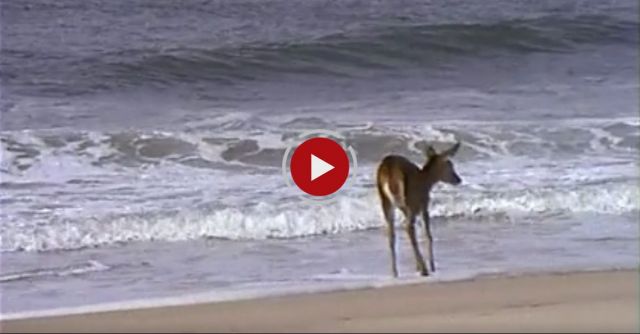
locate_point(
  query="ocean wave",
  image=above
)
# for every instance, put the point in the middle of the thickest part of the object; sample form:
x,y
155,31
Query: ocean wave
x,y
275,220
258,143
349,53
388,47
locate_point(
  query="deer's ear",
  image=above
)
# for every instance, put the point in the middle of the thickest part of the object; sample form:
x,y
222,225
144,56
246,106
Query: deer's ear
x,y
453,150
430,152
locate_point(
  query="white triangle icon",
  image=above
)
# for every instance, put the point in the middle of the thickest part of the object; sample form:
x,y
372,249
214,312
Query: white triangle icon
x,y
319,167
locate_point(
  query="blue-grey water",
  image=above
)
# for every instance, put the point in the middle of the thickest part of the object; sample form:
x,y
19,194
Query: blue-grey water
x,y
141,141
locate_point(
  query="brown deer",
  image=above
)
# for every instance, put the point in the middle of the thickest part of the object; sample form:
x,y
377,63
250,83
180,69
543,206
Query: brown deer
x,y
403,185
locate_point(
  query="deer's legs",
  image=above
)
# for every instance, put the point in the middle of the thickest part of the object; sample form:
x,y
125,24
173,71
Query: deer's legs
x,y
387,209
411,231
428,239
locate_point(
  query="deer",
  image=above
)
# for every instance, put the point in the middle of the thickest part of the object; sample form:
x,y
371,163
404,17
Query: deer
x,y
405,186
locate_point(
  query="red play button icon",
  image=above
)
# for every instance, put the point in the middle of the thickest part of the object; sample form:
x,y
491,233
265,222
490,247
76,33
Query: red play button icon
x,y
319,166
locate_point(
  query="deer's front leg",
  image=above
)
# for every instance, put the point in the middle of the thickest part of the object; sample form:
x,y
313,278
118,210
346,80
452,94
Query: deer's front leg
x,y
428,239
411,231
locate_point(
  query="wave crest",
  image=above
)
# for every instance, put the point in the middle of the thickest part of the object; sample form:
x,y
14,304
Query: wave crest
x,y
268,220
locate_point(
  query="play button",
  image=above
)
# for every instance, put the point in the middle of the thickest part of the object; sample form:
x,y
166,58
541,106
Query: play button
x,y
319,166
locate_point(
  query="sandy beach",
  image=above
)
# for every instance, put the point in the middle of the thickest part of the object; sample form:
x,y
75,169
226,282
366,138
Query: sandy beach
x,y
572,302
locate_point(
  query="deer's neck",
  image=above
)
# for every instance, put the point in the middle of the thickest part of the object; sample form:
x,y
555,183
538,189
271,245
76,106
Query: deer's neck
x,y
428,177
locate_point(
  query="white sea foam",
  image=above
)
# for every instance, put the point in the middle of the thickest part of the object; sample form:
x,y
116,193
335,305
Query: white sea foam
x,y
92,150
272,220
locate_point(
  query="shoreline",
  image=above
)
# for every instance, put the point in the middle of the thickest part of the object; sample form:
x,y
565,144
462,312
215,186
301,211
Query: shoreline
x,y
578,300
263,291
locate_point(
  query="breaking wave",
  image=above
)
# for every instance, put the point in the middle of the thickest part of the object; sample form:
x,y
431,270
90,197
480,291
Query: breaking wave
x,y
259,143
270,220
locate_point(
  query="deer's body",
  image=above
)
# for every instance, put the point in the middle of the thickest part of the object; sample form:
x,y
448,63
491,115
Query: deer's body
x,y
403,185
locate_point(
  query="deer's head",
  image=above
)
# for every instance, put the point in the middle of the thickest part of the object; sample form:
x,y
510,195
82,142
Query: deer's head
x,y
439,166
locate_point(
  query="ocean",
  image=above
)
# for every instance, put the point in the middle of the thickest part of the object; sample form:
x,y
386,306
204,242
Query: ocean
x,y
142,143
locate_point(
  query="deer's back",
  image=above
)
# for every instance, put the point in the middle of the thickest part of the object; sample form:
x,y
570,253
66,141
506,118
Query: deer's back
x,y
396,167
397,179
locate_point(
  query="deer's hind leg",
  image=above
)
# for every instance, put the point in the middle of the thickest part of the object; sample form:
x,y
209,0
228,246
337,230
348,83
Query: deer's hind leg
x,y
388,211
